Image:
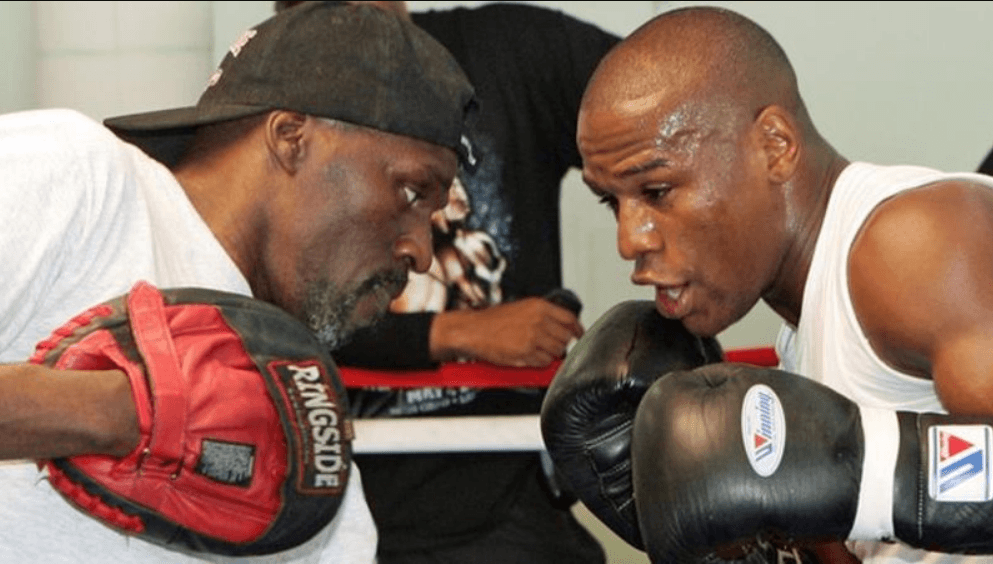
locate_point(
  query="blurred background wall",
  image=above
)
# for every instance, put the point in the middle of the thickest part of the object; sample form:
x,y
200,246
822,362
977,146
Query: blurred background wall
x,y
889,82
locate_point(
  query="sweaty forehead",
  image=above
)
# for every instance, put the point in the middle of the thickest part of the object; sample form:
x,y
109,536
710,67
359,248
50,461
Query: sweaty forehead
x,y
639,111
640,91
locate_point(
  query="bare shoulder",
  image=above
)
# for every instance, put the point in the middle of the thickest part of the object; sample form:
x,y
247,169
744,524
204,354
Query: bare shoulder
x,y
921,268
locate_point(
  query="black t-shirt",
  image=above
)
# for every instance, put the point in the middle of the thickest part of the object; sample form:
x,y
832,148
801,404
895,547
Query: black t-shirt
x,y
986,167
529,66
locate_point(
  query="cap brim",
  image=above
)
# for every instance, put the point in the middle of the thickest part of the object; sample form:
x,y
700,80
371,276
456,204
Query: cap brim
x,y
165,134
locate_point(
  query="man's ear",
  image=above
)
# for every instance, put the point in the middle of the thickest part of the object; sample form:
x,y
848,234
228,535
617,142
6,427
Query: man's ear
x,y
780,139
285,139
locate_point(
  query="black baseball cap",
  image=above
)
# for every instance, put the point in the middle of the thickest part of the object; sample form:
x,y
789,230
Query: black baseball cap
x,y
349,62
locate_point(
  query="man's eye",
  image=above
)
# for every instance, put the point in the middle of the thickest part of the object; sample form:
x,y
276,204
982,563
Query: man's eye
x,y
411,194
656,194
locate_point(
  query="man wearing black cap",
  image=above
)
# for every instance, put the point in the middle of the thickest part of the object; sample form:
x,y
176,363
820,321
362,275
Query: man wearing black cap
x,y
497,254
305,176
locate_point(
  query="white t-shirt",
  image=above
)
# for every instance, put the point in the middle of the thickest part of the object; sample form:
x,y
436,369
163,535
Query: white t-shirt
x,y
828,344
84,217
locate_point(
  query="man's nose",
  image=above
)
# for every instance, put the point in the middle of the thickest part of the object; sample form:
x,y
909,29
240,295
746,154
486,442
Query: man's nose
x,y
637,230
415,245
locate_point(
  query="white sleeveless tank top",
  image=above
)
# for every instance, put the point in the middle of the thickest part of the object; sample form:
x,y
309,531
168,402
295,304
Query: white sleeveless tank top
x,y
828,344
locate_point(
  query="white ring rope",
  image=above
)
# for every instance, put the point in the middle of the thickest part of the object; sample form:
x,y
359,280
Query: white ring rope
x,y
447,434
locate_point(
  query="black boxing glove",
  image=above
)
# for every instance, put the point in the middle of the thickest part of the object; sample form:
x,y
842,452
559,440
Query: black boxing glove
x,y
587,413
728,455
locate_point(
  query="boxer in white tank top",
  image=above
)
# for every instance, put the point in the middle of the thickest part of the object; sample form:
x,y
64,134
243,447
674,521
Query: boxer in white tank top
x,y
828,344
694,133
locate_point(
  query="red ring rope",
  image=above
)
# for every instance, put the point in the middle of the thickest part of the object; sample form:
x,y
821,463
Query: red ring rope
x,y
485,375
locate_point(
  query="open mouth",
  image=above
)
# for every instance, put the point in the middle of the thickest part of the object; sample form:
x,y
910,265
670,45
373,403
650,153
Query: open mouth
x,y
671,300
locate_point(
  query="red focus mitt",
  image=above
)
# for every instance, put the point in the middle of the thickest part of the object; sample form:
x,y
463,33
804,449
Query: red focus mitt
x,y
245,444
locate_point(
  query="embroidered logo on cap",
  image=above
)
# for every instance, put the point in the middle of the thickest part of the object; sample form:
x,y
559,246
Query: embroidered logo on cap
x,y
214,77
763,429
958,465
467,145
242,40
235,50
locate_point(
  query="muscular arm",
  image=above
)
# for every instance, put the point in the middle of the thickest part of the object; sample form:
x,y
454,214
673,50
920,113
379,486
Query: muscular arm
x,y
46,413
921,279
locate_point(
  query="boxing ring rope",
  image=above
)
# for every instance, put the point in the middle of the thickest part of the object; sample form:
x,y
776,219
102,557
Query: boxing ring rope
x,y
470,433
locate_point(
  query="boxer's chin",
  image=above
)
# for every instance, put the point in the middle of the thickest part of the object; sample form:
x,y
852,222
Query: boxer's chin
x,y
701,325
709,320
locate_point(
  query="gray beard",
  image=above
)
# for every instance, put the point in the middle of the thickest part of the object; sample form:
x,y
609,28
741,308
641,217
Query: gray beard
x,y
329,318
331,314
